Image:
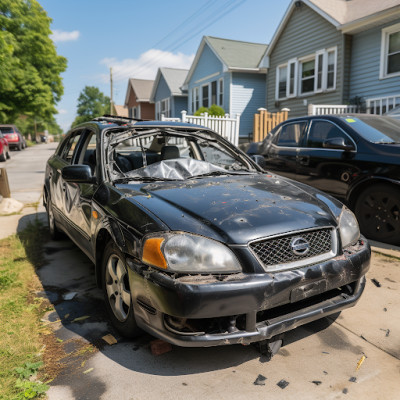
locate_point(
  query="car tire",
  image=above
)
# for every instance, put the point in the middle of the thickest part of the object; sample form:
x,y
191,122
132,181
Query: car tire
x,y
8,155
55,234
117,294
3,157
378,212
19,147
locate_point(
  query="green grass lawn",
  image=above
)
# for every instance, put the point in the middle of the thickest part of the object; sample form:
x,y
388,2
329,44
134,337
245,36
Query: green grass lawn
x,y
21,332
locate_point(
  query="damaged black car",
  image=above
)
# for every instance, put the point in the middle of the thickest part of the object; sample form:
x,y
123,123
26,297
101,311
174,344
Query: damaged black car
x,y
192,241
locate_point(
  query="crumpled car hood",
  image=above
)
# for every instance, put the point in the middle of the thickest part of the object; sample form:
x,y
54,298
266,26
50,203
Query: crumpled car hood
x,y
235,209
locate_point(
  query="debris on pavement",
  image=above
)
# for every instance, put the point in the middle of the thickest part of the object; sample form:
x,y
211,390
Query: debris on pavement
x,y
353,379
387,331
88,370
283,384
385,309
376,282
345,391
81,318
159,347
260,380
316,382
362,359
110,339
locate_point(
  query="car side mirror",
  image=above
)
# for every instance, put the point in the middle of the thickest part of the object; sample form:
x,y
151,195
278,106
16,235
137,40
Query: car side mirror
x,y
78,174
337,143
259,160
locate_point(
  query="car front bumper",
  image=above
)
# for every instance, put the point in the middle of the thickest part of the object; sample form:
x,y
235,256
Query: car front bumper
x,y
245,308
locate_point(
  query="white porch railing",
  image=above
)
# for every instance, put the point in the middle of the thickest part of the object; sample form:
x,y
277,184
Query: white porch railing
x,y
381,105
320,109
226,126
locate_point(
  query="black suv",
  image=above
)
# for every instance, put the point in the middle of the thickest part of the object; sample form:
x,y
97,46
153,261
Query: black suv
x,y
355,158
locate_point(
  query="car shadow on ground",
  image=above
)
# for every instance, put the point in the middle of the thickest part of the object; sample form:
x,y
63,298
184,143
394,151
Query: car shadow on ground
x,y
78,319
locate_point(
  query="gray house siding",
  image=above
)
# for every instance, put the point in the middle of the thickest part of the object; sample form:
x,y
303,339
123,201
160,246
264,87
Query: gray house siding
x,y
247,95
305,33
162,91
365,65
179,104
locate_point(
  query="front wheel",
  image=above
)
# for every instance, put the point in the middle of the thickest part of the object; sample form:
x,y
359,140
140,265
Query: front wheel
x,y
378,213
117,292
8,155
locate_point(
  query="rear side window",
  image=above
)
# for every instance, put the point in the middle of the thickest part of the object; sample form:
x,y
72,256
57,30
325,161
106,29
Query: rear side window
x,y
324,130
290,134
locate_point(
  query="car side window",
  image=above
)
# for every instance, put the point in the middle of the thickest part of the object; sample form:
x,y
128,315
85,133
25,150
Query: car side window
x,y
324,130
290,134
68,150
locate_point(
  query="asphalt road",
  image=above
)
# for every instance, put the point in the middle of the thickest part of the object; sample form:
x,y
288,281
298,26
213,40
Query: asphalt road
x,y
317,361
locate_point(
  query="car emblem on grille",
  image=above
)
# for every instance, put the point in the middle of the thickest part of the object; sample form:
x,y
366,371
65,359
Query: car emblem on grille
x,y
300,246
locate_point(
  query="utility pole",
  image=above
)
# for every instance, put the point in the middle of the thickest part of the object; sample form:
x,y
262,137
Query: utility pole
x,y
111,86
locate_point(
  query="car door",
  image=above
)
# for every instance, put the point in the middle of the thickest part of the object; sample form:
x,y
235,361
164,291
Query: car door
x,y
78,196
323,167
281,156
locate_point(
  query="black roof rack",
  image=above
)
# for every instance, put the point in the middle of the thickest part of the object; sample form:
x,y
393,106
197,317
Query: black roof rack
x,y
116,119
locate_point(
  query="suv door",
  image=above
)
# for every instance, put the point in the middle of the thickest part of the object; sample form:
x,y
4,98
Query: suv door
x,y
322,166
281,156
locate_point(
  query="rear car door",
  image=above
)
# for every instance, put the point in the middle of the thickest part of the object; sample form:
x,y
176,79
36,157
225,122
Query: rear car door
x,y
327,169
281,157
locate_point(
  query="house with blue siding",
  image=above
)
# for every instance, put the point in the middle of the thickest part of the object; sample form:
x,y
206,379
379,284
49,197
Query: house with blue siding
x,y
167,93
226,73
335,52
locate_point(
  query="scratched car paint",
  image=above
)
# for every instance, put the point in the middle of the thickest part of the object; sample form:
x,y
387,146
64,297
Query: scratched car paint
x,y
192,241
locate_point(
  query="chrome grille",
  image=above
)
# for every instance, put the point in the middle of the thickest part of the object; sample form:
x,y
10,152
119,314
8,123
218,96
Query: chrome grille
x,y
278,250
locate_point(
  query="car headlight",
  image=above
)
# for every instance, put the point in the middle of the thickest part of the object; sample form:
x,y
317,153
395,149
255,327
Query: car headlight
x,y
187,253
348,227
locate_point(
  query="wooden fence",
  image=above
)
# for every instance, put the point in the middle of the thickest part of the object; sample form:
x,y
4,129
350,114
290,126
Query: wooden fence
x,y
265,121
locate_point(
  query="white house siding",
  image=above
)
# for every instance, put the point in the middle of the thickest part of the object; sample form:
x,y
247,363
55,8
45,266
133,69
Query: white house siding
x,y
305,33
247,95
365,64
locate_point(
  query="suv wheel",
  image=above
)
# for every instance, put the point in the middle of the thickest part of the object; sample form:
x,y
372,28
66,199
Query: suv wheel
x,y
378,213
55,234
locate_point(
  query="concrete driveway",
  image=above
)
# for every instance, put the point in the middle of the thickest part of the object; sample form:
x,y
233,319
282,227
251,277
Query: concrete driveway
x,y
317,361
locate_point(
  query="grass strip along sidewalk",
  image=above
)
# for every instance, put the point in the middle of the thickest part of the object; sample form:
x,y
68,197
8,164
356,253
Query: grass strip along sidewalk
x,y
21,332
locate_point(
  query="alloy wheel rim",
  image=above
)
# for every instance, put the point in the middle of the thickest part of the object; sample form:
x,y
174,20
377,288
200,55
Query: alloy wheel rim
x,y
117,287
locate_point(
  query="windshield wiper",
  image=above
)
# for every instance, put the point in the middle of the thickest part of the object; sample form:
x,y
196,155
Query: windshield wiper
x,y
140,178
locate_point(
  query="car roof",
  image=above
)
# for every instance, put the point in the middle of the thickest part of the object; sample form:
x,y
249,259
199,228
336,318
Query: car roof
x,y
334,116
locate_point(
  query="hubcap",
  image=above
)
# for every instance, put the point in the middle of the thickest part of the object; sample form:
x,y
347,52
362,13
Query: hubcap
x,y
117,286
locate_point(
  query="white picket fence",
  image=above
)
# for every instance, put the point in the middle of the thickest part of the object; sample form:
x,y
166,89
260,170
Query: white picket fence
x,y
321,109
226,126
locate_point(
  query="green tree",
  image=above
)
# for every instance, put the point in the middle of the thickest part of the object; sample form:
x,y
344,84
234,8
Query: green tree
x,y
30,81
91,103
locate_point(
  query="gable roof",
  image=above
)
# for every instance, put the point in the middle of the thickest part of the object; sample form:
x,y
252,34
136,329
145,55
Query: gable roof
x,y
121,111
348,16
174,79
235,55
141,87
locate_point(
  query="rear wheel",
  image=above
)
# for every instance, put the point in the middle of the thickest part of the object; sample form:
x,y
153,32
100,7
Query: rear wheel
x,y
3,156
117,292
378,213
8,155
19,146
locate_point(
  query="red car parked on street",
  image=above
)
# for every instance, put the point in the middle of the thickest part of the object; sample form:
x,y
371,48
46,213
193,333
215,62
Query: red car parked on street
x,y
13,136
4,148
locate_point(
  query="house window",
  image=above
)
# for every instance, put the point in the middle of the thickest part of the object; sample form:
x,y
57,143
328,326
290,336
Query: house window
x,y
158,110
221,92
307,76
390,52
312,74
213,92
195,99
136,112
165,109
205,96
282,81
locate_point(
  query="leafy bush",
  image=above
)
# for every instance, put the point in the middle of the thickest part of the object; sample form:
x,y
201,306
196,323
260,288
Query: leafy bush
x,y
214,110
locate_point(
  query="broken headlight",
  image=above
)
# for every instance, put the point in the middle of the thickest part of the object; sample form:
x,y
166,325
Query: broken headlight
x,y
187,253
348,227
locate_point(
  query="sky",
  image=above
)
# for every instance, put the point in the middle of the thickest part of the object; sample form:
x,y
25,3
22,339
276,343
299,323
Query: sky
x,y
135,38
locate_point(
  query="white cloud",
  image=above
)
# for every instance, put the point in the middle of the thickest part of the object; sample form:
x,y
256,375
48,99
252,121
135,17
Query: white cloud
x,y
62,36
145,67
62,111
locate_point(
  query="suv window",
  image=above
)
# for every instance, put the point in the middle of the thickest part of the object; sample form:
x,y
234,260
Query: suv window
x,y
323,130
290,134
